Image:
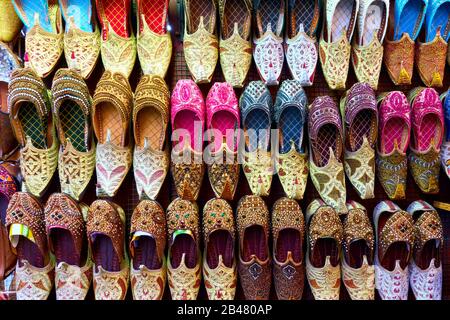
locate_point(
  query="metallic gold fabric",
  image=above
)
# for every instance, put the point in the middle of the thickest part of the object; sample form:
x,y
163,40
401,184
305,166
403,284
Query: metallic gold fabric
x,y
367,61
335,60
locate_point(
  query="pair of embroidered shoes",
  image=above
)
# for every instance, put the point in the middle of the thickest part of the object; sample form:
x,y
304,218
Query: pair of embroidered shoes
x,y
290,115
429,52
409,251
397,118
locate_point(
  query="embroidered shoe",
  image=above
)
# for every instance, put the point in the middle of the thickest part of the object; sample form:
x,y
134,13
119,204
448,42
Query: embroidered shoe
x,y
219,261
360,117
32,122
326,150
290,115
25,221
235,47
288,231
222,116
323,245
301,39
111,112
395,124
425,268
256,104
72,111
445,148
358,271
65,222
184,257
188,123
147,244
10,23
255,265
427,135
268,49
367,48
150,120
394,232
106,234
118,44
154,44
200,41
334,46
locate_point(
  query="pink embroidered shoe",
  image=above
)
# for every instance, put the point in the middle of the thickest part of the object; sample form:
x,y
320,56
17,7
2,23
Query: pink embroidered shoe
x,y
394,118
188,122
222,116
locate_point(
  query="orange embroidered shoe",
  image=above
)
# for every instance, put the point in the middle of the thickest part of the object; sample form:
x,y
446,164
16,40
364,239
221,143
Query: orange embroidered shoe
x,y
65,222
219,260
200,41
147,243
184,257
106,234
254,265
25,221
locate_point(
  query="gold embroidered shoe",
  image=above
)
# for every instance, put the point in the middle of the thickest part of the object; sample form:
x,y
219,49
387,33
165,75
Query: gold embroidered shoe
x,y
106,234
118,44
200,39
150,121
323,245
360,117
219,261
72,110
32,123
235,46
288,231
147,243
111,112
358,272
44,33
367,51
65,222
25,221
334,46
10,23
154,44
184,257
255,265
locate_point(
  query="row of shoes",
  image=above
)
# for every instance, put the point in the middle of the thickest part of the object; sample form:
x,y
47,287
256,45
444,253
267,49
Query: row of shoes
x,y
67,245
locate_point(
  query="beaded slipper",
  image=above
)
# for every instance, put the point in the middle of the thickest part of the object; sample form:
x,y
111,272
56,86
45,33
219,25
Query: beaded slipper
x,y
426,264
65,222
445,148
118,44
219,260
106,234
25,221
150,120
154,45
288,232
147,243
10,23
255,265
268,50
323,247
184,257
326,151
394,235
301,39
111,112
334,46
256,104
367,51
290,115
188,122
29,108
222,115
360,117
395,126
235,47
72,111
428,130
